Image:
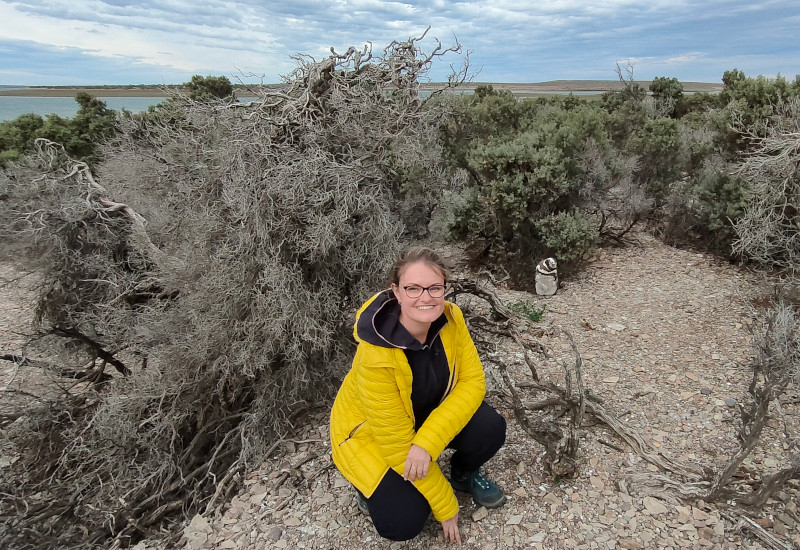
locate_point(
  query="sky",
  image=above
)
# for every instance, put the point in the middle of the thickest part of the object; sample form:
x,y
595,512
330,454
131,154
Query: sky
x,y
122,42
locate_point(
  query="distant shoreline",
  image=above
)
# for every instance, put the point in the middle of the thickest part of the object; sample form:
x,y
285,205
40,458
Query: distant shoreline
x,y
562,86
99,91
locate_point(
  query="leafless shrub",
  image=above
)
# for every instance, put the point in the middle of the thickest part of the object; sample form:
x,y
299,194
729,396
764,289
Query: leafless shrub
x,y
610,188
216,286
768,232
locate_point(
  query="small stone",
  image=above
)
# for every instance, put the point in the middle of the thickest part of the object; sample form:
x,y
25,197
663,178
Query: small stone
x,y
515,520
684,514
766,523
629,544
340,482
274,533
199,524
550,498
730,402
292,522
706,533
654,506
480,514
786,520
705,391
700,515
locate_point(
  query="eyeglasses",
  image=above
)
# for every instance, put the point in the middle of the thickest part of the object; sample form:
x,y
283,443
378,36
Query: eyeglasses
x,y
434,291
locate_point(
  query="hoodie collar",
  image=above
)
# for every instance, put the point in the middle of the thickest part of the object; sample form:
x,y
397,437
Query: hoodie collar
x,y
379,324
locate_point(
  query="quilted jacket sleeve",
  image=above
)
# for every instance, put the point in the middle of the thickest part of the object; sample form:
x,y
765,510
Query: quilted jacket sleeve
x,y
469,389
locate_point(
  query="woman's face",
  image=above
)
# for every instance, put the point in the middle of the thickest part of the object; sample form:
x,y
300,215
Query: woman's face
x,y
416,314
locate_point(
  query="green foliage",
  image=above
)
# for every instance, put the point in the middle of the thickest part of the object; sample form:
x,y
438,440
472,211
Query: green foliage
x,y
529,310
748,103
572,236
668,93
704,208
79,135
658,146
543,181
526,177
486,114
208,88
626,115
722,199
666,88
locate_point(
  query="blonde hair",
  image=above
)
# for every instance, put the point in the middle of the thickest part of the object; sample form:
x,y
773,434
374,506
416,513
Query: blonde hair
x,y
417,254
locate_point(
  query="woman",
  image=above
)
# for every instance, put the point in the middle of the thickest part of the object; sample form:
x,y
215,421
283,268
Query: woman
x,y
415,388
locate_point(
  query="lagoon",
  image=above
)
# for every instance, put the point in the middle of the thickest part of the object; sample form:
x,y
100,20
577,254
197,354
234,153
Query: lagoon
x,y
13,106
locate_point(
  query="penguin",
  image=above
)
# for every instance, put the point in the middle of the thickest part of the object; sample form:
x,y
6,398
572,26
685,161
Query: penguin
x,y
546,277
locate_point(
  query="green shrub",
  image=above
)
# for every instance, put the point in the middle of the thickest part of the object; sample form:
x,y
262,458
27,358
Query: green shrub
x,y
571,237
529,310
531,180
80,136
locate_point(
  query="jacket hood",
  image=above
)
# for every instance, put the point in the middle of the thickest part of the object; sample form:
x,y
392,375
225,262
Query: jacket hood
x,y
378,323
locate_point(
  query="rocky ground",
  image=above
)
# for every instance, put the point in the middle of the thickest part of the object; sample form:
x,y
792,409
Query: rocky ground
x,y
663,334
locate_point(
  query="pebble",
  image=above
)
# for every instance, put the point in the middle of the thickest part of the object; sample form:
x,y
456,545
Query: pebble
x,y
677,357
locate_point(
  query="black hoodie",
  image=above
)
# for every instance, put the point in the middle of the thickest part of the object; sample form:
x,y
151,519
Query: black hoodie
x,y
380,325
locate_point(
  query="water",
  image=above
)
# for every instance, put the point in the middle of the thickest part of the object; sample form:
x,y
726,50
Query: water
x,y
13,106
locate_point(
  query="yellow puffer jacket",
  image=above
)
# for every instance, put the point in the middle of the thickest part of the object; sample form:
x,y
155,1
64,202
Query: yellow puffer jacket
x,y
372,421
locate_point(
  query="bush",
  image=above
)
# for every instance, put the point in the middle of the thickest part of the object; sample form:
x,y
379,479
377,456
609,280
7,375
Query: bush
x,y
205,290
549,184
208,88
768,232
80,135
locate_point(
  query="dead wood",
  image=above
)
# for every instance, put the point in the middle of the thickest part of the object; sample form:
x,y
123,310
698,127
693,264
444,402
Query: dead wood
x,y
540,419
226,246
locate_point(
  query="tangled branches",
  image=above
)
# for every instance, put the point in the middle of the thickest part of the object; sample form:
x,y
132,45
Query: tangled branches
x,y
214,260
768,231
554,417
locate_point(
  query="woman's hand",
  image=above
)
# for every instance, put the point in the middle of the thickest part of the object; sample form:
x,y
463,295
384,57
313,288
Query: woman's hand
x,y
417,463
450,530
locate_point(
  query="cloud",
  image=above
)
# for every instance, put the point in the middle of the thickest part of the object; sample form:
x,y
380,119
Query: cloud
x,y
510,40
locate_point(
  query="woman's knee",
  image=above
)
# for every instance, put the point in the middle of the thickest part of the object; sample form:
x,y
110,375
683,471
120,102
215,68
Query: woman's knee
x,y
492,424
402,527
397,508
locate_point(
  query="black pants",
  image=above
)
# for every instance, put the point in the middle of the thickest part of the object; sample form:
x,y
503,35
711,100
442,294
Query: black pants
x,y
399,510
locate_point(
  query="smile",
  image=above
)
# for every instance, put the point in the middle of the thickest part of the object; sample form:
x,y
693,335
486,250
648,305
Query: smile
x,y
424,307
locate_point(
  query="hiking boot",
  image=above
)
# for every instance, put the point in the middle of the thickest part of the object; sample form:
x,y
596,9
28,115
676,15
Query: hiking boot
x,y
362,503
484,492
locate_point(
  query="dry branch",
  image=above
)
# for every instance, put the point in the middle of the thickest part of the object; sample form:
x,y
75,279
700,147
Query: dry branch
x,y
224,247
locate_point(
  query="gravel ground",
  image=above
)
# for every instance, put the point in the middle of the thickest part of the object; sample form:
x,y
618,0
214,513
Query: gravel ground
x,y
664,338
663,334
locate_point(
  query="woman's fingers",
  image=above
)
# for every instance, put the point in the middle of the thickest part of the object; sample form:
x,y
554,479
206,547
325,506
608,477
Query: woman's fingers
x,y
450,530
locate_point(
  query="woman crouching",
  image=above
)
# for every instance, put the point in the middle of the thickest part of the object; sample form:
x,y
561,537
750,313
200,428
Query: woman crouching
x,y
415,388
